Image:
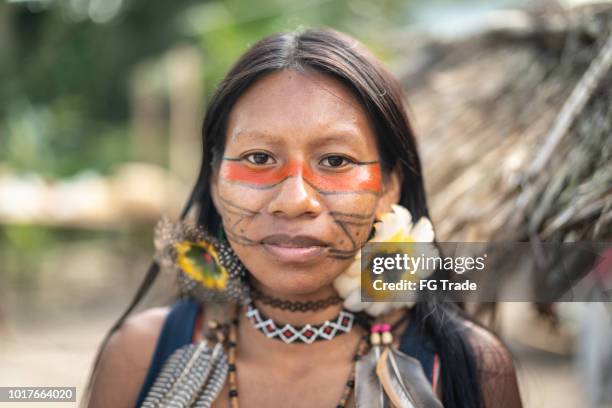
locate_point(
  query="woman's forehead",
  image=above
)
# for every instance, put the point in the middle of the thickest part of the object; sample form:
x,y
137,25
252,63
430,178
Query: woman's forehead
x,y
298,103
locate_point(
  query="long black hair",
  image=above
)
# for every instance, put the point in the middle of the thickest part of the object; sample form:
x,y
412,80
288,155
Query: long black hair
x,y
343,58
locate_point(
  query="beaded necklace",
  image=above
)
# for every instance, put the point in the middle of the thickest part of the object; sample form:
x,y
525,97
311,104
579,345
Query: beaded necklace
x,y
288,333
232,375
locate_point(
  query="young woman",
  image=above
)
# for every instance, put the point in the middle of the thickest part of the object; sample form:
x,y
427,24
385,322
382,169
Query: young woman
x,y
306,144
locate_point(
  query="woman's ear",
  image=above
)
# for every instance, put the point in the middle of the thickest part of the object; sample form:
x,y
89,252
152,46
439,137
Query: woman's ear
x,y
392,190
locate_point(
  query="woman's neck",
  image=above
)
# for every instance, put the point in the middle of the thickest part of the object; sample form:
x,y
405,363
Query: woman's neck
x,y
312,316
256,341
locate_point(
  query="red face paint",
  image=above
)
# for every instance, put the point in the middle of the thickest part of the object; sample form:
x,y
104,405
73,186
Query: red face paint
x,y
361,178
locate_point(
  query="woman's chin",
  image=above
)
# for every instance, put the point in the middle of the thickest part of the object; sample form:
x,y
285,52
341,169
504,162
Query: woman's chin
x,y
295,284
294,279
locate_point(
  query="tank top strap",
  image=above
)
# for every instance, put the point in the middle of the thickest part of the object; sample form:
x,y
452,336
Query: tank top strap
x,y
415,344
176,332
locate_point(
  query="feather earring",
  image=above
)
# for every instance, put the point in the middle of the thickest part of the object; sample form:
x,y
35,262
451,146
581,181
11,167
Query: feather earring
x,y
207,269
386,377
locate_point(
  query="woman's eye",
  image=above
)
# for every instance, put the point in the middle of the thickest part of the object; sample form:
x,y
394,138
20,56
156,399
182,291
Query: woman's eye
x,y
258,158
336,161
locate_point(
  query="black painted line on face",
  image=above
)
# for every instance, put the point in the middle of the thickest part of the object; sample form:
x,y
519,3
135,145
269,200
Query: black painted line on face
x,y
351,215
329,192
346,232
354,223
236,223
236,213
244,211
343,218
240,239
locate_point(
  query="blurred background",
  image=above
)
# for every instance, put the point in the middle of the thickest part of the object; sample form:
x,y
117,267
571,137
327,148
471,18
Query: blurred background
x,y
101,103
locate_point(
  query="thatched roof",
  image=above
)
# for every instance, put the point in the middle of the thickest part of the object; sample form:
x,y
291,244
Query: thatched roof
x,y
515,128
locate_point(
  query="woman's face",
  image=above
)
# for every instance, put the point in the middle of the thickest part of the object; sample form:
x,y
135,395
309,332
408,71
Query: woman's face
x,y
300,183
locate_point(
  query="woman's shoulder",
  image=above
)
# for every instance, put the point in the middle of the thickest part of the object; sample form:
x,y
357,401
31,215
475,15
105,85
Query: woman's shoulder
x,y
495,366
492,354
126,358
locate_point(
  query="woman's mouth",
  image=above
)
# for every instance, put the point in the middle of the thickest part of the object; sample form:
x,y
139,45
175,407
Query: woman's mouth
x,y
296,249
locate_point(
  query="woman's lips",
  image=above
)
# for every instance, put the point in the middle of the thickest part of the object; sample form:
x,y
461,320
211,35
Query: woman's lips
x,y
293,254
293,248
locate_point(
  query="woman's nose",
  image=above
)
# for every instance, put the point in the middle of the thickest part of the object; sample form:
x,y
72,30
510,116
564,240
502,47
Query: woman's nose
x,y
295,197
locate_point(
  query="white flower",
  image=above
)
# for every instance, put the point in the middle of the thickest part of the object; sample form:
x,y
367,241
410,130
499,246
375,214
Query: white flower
x,y
395,226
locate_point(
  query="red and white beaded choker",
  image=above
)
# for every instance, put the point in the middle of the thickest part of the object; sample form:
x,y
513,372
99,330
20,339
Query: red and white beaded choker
x,y
342,323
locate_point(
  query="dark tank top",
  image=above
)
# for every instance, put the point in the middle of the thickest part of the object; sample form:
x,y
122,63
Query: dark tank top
x,y
178,330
